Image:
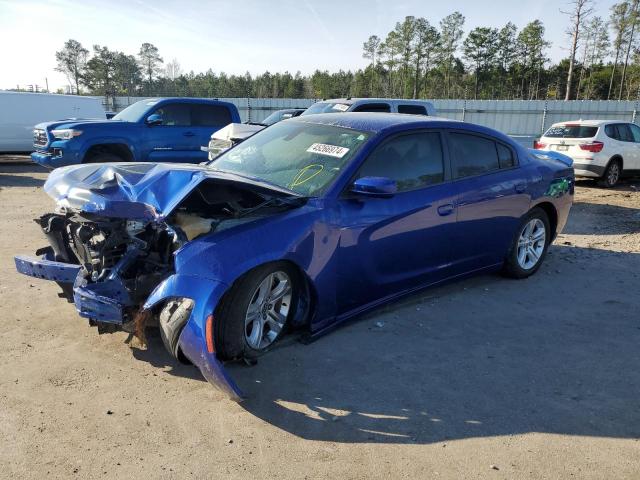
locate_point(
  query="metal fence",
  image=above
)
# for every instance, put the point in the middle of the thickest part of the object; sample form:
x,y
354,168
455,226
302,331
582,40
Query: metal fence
x,y
522,119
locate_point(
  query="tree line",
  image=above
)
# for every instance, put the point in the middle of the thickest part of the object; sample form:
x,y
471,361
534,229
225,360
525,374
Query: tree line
x,y
416,59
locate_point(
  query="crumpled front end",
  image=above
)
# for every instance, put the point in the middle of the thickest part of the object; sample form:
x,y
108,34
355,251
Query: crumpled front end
x,y
113,242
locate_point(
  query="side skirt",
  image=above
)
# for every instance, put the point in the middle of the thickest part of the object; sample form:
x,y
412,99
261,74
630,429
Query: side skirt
x,y
345,317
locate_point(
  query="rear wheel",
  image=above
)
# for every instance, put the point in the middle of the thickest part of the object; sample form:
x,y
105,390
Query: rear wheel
x,y
529,246
253,315
611,174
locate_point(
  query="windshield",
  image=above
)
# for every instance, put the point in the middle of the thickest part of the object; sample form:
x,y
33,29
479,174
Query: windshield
x,y
135,112
275,117
326,107
571,131
299,156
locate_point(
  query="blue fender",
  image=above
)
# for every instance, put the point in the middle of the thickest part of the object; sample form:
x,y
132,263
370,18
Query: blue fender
x,y
205,294
105,141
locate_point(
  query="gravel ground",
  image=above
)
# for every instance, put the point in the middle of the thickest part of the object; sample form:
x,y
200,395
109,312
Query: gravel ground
x,y
484,378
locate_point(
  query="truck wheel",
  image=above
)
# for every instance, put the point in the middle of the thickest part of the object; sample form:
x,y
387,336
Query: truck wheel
x,y
255,311
611,174
103,158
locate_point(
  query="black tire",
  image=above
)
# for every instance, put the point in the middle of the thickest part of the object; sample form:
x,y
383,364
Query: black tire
x,y
512,267
612,174
230,336
104,158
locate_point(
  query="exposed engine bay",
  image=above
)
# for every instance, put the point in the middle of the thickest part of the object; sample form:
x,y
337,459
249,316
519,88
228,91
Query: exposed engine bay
x,y
122,260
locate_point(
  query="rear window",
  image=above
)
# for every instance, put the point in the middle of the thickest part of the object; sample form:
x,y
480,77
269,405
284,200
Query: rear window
x,y
571,131
210,115
373,107
412,109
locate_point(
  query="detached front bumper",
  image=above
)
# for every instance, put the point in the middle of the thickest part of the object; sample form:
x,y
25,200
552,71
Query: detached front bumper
x,y
109,302
106,301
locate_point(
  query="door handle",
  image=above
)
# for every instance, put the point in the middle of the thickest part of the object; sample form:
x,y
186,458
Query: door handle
x,y
189,134
521,187
447,209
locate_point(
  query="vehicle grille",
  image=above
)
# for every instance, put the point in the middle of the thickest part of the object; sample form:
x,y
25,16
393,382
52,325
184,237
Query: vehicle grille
x,y
40,137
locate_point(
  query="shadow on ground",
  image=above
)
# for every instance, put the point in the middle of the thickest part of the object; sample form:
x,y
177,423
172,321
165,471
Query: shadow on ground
x,y
482,357
586,219
21,175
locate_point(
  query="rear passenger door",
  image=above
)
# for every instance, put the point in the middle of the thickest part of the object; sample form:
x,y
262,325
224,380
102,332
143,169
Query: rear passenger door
x,y
492,196
634,162
205,120
621,143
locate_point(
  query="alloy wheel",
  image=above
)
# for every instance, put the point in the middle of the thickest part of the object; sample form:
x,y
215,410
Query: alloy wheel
x,y
267,311
531,243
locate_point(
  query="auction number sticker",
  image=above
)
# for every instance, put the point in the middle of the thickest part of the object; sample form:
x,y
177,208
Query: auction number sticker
x,y
329,150
341,107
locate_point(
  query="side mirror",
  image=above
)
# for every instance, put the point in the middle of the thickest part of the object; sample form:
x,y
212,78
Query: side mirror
x,y
154,119
375,186
286,115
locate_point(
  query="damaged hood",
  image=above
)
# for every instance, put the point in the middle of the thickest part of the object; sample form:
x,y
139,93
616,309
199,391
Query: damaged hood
x,y
132,190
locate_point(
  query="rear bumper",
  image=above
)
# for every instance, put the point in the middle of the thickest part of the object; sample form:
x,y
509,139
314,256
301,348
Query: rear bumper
x,y
588,170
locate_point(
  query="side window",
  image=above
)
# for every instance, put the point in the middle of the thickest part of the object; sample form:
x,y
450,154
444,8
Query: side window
x,y
412,109
611,132
210,115
624,132
373,107
635,131
413,161
176,115
473,155
505,156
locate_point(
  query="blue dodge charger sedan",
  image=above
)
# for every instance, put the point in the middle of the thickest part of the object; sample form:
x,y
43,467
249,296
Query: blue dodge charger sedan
x,y
304,225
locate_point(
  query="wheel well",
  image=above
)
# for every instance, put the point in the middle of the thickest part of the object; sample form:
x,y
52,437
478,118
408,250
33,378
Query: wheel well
x,y
616,157
552,214
119,149
308,295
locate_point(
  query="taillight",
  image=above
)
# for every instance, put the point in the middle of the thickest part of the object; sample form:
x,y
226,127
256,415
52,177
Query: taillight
x,y
594,147
538,145
209,334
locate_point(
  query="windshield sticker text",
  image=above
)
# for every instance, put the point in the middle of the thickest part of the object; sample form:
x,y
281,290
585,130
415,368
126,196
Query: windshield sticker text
x,y
329,150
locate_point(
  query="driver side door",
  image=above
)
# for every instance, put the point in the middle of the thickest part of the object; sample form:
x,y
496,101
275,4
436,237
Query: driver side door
x,y
389,245
173,139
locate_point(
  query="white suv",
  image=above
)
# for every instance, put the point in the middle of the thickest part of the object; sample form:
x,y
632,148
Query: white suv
x,y
604,149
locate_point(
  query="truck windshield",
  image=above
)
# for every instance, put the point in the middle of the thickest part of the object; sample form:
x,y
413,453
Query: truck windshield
x,y
135,112
326,107
299,156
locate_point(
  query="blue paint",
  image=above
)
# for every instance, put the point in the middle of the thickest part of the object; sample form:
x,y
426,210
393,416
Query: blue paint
x,y
356,251
142,141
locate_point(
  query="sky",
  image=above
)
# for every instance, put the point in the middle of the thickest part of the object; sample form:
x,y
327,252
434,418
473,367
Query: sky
x,y
240,35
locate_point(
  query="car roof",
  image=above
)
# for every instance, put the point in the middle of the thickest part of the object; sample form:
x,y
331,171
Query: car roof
x,y
589,122
352,100
378,122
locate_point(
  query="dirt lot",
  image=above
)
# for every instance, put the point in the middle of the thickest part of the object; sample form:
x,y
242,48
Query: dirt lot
x,y
487,378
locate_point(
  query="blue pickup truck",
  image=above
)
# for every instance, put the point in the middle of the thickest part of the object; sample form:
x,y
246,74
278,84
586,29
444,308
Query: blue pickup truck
x,y
152,130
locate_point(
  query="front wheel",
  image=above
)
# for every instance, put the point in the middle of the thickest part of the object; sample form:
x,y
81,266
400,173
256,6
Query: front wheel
x,y
529,246
255,311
